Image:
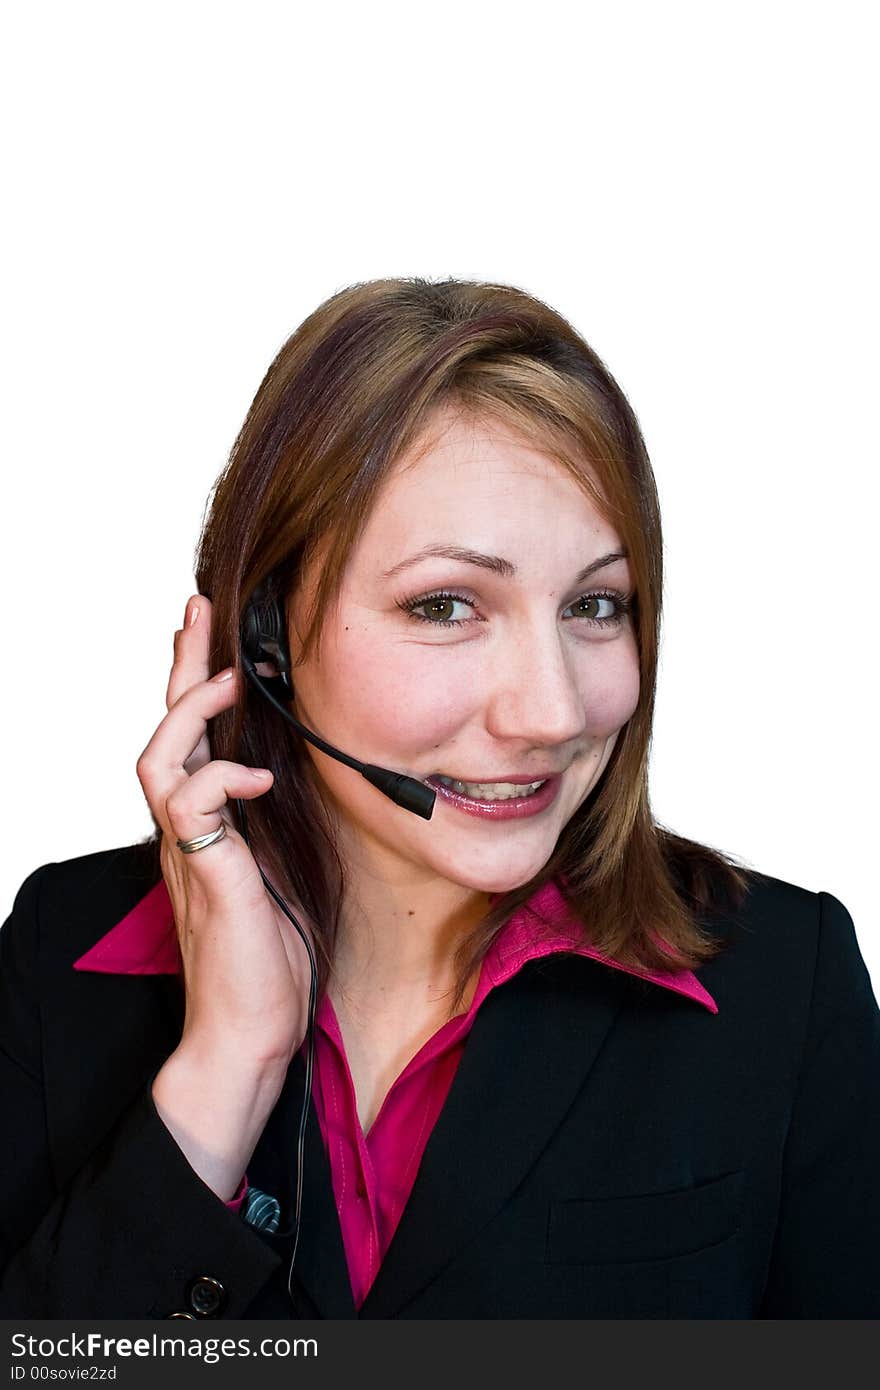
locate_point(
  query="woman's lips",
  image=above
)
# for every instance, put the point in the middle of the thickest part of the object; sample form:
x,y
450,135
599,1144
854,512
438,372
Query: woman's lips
x,y
512,809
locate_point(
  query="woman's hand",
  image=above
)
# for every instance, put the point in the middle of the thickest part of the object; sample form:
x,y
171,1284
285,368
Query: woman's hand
x,y
246,968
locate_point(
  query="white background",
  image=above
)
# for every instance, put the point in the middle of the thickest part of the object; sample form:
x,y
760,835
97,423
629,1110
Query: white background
x,y
692,185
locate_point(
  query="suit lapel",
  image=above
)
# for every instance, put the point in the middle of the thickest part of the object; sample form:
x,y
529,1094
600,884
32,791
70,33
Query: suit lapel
x,y
532,1046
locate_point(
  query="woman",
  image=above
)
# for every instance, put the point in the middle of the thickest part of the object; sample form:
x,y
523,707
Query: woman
x,y
566,1063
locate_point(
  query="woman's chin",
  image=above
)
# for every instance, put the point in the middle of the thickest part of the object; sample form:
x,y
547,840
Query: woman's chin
x,y
497,882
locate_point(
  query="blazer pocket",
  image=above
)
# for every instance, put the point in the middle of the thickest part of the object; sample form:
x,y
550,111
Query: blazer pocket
x,y
649,1226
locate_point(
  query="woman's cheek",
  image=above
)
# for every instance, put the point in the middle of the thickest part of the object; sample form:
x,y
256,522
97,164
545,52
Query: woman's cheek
x,y
397,697
612,690
419,713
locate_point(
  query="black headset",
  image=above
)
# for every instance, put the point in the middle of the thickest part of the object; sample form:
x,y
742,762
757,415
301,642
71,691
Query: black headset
x,y
263,638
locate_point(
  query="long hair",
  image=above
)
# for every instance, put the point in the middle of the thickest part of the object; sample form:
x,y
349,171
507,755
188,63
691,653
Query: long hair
x,y
349,392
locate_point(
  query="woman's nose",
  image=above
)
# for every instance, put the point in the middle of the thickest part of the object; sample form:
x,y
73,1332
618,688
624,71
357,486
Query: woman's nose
x,y
536,695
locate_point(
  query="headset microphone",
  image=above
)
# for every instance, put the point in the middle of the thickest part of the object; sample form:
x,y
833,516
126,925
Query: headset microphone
x,y
263,638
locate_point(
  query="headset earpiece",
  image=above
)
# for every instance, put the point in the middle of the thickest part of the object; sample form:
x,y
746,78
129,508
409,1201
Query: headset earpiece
x,y
264,635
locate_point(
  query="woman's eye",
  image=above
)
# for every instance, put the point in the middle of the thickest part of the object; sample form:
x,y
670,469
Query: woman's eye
x,y
601,608
439,608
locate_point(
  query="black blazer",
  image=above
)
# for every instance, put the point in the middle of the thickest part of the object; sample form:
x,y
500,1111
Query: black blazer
x,y
608,1149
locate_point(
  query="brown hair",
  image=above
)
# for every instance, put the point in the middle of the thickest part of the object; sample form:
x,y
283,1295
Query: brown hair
x,y
350,391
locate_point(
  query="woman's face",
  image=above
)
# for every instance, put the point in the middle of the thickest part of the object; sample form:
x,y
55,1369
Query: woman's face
x,y
526,673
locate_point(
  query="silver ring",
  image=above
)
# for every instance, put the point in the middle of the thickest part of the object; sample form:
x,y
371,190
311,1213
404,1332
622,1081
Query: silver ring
x,y
202,841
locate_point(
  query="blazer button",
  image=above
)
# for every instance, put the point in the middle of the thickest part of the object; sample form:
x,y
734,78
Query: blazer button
x,y
206,1296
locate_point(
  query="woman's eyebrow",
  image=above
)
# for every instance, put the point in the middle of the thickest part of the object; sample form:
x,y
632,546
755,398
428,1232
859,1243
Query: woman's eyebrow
x,y
505,568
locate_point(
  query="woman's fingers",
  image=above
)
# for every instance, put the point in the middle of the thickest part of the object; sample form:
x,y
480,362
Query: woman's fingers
x,y
193,807
246,978
162,767
190,667
191,648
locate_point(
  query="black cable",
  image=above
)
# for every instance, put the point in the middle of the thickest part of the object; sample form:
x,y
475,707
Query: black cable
x,y
294,1229
408,792
262,683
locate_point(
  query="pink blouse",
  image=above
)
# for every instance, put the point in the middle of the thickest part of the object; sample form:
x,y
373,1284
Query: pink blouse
x,y
373,1173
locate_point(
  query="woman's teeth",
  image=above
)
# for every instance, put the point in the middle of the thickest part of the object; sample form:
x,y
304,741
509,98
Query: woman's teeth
x,y
491,791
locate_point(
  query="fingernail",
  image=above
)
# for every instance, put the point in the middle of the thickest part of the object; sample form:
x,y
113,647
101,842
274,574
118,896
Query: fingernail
x,y
192,610
224,675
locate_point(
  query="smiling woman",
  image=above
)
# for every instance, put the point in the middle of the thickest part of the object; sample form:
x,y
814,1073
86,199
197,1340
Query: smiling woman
x,y
429,526
548,1059
498,671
